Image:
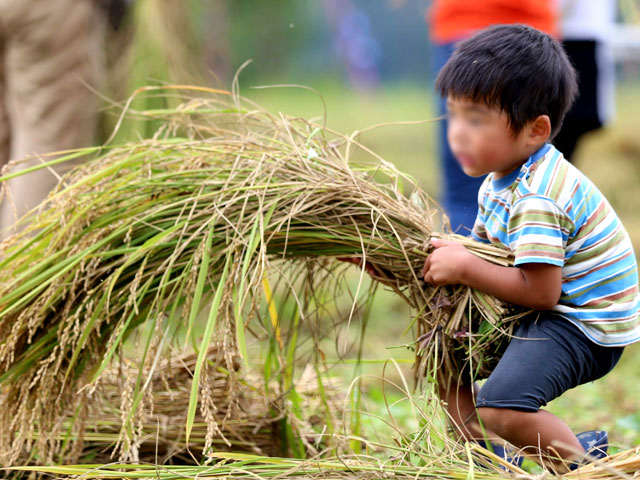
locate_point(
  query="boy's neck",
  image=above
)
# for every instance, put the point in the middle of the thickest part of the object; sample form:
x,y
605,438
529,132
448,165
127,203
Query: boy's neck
x,y
536,151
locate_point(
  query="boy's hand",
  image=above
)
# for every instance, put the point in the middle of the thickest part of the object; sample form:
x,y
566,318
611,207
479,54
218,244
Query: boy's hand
x,y
358,262
444,265
374,272
534,285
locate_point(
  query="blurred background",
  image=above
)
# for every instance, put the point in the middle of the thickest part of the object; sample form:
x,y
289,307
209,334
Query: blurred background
x,y
364,62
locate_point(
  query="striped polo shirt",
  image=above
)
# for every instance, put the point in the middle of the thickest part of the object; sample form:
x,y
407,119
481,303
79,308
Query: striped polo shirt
x,y
549,212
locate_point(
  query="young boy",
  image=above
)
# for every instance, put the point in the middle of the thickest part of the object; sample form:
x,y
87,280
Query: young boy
x,y
508,89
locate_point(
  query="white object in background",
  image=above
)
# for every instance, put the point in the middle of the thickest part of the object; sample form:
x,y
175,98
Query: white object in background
x,y
587,19
594,20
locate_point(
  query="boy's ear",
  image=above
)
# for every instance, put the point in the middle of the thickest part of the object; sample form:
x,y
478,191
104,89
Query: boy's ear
x,y
540,130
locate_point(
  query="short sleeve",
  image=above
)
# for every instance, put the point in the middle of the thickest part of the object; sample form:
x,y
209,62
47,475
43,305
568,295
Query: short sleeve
x,y
538,231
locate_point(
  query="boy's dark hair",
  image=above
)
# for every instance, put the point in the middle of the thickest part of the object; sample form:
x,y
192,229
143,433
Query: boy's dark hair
x,y
516,68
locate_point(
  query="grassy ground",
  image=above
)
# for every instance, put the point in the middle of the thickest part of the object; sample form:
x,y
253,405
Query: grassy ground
x,y
609,157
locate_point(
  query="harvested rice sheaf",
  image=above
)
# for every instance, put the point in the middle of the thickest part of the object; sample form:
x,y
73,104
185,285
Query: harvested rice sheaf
x,y
181,231
229,418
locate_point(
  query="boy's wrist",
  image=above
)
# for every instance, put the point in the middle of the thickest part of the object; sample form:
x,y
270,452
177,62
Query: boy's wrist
x,y
462,270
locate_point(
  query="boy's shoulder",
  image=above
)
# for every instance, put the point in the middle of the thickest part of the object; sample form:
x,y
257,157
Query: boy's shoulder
x,y
552,177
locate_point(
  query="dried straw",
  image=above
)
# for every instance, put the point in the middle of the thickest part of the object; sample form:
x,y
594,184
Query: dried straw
x,y
624,465
185,226
245,420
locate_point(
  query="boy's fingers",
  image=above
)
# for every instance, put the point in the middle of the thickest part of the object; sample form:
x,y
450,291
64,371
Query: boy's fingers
x,y
439,242
357,261
428,278
370,269
425,267
354,260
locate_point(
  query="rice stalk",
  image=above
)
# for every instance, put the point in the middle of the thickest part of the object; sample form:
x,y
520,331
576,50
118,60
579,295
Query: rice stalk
x,y
235,421
159,233
246,466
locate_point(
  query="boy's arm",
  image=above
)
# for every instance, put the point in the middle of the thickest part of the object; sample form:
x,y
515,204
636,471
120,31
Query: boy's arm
x,y
534,285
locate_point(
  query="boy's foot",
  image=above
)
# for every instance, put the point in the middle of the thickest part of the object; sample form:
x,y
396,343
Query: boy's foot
x,y
500,451
595,444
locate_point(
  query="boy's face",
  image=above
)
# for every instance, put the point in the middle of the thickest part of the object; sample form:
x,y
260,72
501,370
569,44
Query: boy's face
x,y
482,140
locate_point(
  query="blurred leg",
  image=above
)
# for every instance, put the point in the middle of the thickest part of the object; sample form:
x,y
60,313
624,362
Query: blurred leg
x,y
584,115
460,196
459,191
51,59
5,127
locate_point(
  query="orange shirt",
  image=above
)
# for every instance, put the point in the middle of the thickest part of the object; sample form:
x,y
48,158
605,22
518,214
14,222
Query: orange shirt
x,y
453,20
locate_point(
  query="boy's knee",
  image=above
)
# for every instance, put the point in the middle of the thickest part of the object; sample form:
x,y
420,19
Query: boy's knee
x,y
500,420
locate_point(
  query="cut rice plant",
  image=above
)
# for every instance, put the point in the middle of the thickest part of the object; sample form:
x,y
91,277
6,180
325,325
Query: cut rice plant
x,y
238,421
245,466
179,239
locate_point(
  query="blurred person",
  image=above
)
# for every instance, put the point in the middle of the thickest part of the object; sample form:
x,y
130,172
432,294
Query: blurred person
x,y
355,43
451,21
50,60
586,27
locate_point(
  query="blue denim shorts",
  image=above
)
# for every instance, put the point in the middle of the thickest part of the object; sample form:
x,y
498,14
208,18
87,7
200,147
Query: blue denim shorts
x,y
547,356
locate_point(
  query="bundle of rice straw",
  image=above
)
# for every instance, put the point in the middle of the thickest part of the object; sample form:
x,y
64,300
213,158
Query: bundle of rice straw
x,y
245,420
232,466
187,225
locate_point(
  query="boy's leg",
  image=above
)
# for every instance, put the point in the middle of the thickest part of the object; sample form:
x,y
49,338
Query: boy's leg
x,y
460,402
463,418
547,356
461,407
534,432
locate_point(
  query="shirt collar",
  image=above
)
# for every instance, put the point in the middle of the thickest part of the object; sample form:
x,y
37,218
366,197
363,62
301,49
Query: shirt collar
x,y
541,152
509,179
506,181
